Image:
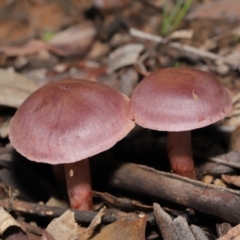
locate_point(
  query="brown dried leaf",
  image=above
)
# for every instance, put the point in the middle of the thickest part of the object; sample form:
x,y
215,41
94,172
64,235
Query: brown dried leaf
x,y
217,10
6,221
97,220
46,235
29,48
14,88
164,222
156,3
223,228
122,229
230,159
198,233
233,234
124,56
235,180
182,229
4,126
17,235
110,4
128,81
74,40
63,228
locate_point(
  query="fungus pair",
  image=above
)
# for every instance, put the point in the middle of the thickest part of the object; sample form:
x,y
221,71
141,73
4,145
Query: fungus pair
x,y
179,100
68,121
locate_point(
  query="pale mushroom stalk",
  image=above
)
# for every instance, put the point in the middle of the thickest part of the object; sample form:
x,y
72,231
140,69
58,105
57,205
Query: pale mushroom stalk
x,y
79,184
180,153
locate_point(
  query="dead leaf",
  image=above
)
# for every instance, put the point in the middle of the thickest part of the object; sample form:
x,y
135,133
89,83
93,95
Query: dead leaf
x,y
46,235
110,4
233,234
185,33
22,20
216,10
128,81
29,48
235,180
97,220
6,221
14,88
198,233
182,229
164,222
124,56
156,3
230,159
74,40
64,228
4,126
223,228
122,229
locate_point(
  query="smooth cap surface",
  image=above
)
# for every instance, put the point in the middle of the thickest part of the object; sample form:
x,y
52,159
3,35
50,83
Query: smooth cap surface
x,y
70,120
179,99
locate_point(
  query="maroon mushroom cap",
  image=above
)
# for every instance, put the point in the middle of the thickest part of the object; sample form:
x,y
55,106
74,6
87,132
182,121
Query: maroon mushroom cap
x,y
70,120
179,99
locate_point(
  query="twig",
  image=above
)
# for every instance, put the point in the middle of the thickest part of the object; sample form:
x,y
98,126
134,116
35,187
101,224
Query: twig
x,y
183,47
53,212
212,41
139,66
137,179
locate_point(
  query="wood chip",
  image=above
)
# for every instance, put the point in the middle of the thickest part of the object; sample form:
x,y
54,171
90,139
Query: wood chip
x,y
164,222
198,233
182,229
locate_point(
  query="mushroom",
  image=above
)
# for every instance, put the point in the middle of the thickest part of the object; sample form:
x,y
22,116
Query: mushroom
x,y
68,121
178,100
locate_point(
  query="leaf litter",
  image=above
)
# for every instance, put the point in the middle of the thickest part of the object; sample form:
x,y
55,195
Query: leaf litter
x,y
110,42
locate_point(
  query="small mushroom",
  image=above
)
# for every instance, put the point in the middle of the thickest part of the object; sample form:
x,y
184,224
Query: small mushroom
x,y
178,100
68,121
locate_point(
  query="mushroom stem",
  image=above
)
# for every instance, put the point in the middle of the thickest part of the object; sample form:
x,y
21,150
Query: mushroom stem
x,y
78,182
180,154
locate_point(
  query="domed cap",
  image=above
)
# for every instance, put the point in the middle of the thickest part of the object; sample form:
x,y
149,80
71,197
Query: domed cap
x,y
70,120
179,99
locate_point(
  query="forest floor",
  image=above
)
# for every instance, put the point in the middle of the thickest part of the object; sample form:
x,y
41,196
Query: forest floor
x,y
118,43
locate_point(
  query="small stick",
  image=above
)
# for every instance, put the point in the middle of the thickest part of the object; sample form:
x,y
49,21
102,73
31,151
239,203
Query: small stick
x,y
81,216
183,47
142,180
